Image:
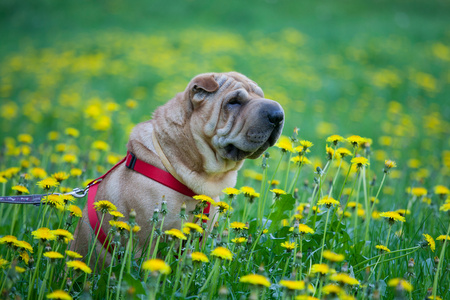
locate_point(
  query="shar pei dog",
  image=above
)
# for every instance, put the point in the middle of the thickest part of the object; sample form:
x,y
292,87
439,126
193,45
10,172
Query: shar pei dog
x,y
201,137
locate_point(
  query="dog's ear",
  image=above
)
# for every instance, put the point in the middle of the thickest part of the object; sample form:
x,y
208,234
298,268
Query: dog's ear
x,y
204,82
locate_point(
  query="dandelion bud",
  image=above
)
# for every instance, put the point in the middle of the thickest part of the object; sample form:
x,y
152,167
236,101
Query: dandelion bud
x,y
48,248
295,195
117,238
267,154
389,164
249,240
155,217
373,181
164,207
223,292
183,212
316,180
261,269
264,162
344,268
436,261
69,281
225,233
132,217
410,270
319,171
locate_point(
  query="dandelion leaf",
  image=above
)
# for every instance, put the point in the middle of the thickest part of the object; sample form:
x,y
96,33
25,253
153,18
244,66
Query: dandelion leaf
x,y
281,208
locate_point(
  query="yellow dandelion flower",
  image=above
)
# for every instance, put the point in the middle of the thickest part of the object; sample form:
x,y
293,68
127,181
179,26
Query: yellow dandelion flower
x,y
331,289
292,284
100,145
445,207
63,234
443,237
24,256
48,183
20,269
22,245
66,198
334,257
430,242
78,265
344,278
335,139
355,140
75,172
441,190
289,246
343,152
70,158
278,192
3,263
44,234
53,255
305,297
395,282
238,226
75,211
53,200
328,201
222,253
285,144
73,254
360,161
392,216
255,279
8,239
202,217
239,240
116,214
301,150
434,297
25,138
403,212
20,189
231,191
60,176
389,164
305,229
200,257
382,248
301,160
176,233
204,199
306,144
246,190
330,152
72,132
104,206
120,225
417,191
59,295
223,207
320,268
193,226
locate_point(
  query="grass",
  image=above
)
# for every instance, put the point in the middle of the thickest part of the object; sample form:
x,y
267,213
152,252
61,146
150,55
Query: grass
x,y
76,77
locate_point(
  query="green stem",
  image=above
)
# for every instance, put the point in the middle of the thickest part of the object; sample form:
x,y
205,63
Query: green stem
x,y
382,254
31,284
391,259
214,270
324,235
441,258
110,271
123,267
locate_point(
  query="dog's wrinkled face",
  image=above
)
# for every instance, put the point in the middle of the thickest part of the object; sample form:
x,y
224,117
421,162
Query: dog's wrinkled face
x,y
232,117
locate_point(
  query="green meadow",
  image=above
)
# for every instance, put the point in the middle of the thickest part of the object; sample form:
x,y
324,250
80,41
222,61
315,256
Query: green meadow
x,y
351,203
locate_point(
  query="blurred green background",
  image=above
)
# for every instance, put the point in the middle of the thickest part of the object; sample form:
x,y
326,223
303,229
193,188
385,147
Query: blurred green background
x,y
379,69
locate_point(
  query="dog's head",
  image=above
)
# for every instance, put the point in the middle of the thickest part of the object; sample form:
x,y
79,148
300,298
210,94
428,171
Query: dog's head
x,y
231,117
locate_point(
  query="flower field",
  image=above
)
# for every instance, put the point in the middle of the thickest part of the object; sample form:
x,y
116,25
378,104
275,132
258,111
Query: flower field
x,y
351,203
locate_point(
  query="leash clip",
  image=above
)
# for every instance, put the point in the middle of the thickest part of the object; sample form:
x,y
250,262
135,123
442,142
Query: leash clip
x,y
79,193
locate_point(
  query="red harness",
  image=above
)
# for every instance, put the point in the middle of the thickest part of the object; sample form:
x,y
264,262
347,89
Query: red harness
x,y
145,169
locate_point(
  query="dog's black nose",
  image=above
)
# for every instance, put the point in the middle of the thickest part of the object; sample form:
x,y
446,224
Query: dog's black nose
x,y
275,116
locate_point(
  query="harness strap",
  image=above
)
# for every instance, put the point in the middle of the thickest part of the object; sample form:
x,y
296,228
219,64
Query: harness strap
x,y
150,171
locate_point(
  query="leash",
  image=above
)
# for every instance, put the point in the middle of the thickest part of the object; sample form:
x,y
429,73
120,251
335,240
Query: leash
x,y
36,199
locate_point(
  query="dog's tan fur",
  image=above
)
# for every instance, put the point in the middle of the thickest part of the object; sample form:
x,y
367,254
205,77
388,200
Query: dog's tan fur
x,y
193,130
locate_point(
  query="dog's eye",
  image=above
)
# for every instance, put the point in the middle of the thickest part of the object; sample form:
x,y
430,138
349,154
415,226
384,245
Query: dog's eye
x,y
234,102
